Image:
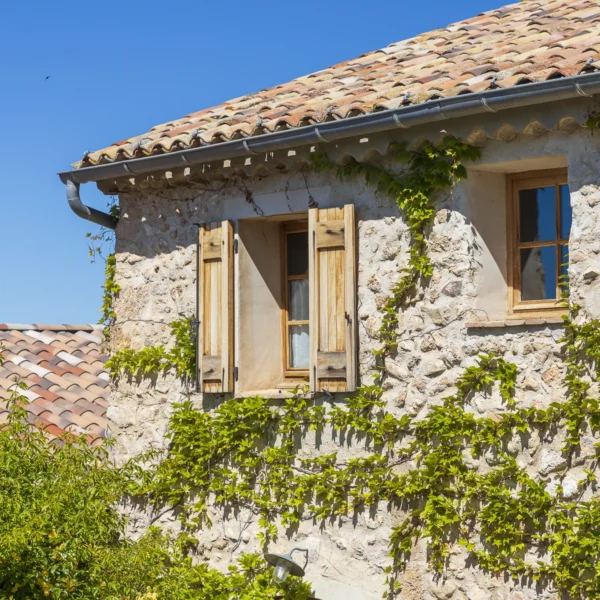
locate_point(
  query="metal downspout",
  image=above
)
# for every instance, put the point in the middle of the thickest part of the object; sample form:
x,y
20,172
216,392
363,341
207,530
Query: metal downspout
x,y
87,212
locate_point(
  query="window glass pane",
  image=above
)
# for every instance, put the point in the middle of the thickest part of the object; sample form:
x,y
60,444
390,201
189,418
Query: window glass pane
x,y
566,215
538,273
298,300
537,214
297,253
564,268
299,346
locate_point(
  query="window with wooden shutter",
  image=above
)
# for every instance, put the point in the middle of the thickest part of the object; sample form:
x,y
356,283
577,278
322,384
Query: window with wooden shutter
x,y
332,293
215,308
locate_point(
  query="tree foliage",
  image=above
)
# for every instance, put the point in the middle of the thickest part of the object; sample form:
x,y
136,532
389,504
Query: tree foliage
x,y
62,533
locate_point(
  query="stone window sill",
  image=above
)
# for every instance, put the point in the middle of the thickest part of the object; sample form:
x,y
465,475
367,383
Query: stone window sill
x,y
274,394
505,323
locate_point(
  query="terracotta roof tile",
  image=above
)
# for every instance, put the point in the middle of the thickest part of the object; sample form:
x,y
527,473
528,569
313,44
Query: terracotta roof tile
x,y
63,367
95,407
44,393
522,42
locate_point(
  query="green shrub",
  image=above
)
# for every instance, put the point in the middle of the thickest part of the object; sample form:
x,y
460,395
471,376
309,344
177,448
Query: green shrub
x,y
62,532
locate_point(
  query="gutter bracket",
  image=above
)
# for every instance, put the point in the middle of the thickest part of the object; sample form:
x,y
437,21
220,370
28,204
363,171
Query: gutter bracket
x,y
247,148
485,104
320,135
398,122
87,212
580,91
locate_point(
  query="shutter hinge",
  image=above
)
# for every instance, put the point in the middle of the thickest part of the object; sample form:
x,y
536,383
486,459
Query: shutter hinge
x,y
235,246
235,373
195,325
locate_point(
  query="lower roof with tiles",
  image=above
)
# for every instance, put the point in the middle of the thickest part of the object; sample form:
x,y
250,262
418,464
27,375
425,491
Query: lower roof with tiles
x,y
63,367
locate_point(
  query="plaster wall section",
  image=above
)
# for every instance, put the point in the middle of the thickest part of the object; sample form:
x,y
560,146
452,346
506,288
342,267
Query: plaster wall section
x,y
467,243
486,200
258,308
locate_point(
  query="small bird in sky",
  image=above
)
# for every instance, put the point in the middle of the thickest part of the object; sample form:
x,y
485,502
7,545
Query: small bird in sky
x,y
47,77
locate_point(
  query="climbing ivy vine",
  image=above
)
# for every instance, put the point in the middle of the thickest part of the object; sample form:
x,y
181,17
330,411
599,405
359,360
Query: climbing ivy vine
x,y
431,170
158,359
110,288
246,453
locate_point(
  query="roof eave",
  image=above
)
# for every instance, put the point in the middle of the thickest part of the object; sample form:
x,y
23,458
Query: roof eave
x,y
466,105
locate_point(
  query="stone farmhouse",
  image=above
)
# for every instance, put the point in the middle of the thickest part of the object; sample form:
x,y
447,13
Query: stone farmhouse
x,y
285,269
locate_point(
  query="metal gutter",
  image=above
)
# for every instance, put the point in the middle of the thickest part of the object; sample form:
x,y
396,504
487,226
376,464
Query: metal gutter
x,y
404,117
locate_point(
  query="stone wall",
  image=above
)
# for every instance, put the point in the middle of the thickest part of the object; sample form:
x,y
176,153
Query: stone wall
x,y
156,271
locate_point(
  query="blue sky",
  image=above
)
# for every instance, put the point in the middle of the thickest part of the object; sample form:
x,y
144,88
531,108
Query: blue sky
x,y
117,69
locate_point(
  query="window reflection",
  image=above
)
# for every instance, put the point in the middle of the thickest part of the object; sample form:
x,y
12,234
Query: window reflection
x,y
537,216
564,268
538,273
297,253
566,213
544,225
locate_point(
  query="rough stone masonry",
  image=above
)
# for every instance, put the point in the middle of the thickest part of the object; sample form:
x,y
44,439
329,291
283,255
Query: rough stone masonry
x,y
156,245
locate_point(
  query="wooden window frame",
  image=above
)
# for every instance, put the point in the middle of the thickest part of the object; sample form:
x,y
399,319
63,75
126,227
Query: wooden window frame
x,y
290,373
531,179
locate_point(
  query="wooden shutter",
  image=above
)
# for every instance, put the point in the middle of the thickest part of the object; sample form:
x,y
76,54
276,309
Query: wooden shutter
x,y
215,308
332,289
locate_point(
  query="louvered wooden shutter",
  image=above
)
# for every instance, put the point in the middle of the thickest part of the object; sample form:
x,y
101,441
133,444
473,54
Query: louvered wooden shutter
x,y
332,289
215,307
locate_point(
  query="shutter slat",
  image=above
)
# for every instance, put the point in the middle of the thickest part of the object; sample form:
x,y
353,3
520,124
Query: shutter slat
x,y
211,368
332,290
330,234
331,364
215,289
339,302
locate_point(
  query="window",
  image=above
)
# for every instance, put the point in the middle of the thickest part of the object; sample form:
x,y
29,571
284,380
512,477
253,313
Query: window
x,y
296,347
539,229
277,303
